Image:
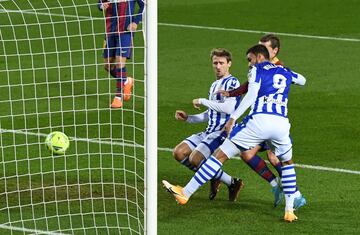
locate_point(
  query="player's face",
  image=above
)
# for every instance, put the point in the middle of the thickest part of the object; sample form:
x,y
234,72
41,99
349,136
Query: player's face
x,y
221,66
251,59
272,51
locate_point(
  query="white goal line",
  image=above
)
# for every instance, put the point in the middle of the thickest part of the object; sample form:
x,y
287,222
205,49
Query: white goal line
x,y
97,141
33,231
259,32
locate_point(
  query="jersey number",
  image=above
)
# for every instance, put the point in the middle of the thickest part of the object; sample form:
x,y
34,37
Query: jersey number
x,y
279,83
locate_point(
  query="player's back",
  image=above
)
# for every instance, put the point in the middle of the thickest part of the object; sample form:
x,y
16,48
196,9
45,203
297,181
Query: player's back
x,y
274,88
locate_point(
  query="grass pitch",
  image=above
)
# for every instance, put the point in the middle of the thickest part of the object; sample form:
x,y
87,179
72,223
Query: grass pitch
x,y
324,114
52,78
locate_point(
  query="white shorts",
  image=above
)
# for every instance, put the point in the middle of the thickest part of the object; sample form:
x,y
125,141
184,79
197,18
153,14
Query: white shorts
x,y
273,129
206,144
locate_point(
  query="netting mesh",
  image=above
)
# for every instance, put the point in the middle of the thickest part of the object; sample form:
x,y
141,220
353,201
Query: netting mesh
x,y
52,79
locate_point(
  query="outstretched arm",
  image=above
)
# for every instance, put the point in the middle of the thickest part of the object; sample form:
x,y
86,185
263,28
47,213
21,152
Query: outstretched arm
x,y
298,79
196,118
240,90
247,101
225,107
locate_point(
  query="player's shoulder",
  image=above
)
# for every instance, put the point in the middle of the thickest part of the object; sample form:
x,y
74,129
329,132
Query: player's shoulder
x,y
266,66
231,79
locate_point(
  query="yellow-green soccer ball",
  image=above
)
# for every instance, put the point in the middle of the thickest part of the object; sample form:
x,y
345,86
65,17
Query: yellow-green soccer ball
x,y
57,142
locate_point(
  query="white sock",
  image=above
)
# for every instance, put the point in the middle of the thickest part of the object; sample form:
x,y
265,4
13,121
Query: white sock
x,y
205,173
288,181
297,193
223,177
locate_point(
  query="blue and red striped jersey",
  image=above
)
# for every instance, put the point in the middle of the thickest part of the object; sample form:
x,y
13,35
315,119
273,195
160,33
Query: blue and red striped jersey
x,y
121,13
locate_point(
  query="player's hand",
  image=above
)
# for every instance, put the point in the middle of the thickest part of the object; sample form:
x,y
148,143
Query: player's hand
x,y
105,5
196,103
223,93
229,125
181,115
132,27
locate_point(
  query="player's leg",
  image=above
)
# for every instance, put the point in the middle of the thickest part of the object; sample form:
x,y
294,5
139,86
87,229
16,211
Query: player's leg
x,y
206,172
274,161
181,154
109,54
126,46
109,63
119,74
124,84
258,165
282,143
183,150
204,151
288,181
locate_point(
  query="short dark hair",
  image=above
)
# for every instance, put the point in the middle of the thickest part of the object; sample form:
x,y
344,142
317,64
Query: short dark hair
x,y
259,49
274,40
221,52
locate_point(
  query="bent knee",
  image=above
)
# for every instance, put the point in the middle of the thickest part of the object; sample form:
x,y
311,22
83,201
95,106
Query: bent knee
x,y
247,155
196,158
179,153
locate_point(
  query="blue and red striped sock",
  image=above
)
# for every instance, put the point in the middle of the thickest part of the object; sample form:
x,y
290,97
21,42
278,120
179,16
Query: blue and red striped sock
x,y
121,77
259,166
278,168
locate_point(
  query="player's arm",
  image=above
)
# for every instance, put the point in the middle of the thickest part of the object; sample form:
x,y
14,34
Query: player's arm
x,y
240,90
103,4
225,107
298,79
137,18
247,101
196,118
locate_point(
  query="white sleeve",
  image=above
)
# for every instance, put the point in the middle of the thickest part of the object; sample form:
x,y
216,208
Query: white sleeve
x,y
298,79
250,97
224,107
197,118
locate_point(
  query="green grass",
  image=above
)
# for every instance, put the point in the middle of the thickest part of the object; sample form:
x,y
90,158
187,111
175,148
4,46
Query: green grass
x,y
52,78
59,84
324,114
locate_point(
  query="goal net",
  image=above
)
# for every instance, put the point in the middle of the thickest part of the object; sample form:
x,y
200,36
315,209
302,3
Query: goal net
x,y
52,78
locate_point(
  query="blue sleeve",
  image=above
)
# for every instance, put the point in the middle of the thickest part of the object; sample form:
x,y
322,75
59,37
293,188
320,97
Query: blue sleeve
x,y
138,18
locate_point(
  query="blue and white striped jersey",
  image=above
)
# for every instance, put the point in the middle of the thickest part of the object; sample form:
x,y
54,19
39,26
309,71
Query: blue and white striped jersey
x,y
218,105
274,82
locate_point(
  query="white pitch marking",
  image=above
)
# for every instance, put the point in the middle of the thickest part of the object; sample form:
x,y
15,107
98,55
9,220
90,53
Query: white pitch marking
x,y
194,26
259,32
320,168
8,227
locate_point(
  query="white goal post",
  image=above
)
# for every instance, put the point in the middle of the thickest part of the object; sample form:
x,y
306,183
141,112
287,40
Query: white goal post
x,y
52,78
